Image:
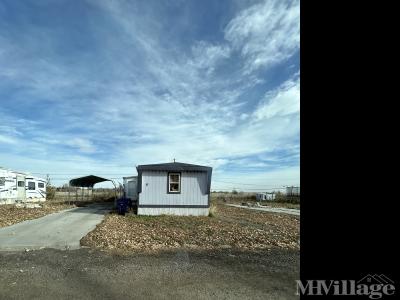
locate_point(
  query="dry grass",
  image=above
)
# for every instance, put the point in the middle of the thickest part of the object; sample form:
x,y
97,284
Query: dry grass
x,y
281,204
225,198
213,210
9,214
231,228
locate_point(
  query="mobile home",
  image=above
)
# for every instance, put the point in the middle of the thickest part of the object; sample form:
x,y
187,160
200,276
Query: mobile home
x,y
174,188
265,196
21,187
293,191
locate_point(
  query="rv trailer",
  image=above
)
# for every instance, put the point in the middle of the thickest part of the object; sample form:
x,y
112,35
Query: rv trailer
x,y
19,187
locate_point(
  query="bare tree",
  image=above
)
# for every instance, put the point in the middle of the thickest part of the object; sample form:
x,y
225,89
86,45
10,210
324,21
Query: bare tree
x,y
50,189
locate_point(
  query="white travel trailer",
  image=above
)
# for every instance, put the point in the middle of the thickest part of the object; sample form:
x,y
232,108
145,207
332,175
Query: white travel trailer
x,y
21,187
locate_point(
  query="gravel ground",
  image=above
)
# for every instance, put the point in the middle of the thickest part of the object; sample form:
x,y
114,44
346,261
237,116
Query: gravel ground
x,y
10,214
94,274
232,227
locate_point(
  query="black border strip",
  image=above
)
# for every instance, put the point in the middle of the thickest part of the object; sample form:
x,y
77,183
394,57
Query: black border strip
x,y
172,206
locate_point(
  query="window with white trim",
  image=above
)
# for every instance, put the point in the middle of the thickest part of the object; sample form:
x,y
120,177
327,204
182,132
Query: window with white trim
x,y
2,181
174,182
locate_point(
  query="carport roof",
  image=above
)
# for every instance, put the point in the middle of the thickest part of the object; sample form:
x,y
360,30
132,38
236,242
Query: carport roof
x,y
87,181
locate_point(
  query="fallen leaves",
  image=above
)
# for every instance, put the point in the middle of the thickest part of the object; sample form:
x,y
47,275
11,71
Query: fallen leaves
x,y
230,228
10,214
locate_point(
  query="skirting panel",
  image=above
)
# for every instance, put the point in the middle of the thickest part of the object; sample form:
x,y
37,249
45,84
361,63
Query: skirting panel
x,y
155,211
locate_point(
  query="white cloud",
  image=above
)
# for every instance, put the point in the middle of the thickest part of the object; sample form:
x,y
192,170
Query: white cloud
x,y
280,102
173,106
244,116
266,33
7,139
207,56
83,145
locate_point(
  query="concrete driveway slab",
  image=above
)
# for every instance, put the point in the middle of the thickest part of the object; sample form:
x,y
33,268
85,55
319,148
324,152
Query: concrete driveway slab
x,y
61,230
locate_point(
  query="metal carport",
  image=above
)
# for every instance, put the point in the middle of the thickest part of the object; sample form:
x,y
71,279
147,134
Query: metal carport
x,y
89,181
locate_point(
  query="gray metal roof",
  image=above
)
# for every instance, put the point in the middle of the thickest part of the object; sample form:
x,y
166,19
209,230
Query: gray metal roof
x,y
174,166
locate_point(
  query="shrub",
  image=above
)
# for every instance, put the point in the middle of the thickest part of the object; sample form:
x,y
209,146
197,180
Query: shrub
x,y
50,189
212,211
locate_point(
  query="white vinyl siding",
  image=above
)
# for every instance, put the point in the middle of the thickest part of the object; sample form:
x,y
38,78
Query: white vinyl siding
x,y
193,189
177,211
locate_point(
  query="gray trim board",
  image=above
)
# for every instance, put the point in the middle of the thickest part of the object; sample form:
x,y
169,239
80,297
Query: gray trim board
x,y
172,206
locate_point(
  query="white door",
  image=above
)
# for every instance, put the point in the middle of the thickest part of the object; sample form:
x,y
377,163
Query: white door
x,y
21,190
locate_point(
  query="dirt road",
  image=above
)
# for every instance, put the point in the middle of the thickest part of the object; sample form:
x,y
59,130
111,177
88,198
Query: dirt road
x,y
91,274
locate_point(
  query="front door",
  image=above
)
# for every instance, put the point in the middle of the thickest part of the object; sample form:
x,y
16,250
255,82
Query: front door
x,y
21,190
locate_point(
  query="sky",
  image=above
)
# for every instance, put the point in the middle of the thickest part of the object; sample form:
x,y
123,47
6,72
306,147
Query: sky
x,y
98,87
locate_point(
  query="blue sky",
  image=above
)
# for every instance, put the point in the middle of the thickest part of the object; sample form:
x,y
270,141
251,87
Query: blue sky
x,y
97,87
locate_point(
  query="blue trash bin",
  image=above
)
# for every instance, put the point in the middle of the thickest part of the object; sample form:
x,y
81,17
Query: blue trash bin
x,y
122,206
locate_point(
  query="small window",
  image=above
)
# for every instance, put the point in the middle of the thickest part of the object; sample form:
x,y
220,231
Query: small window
x,y
21,183
31,185
41,185
174,182
2,181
